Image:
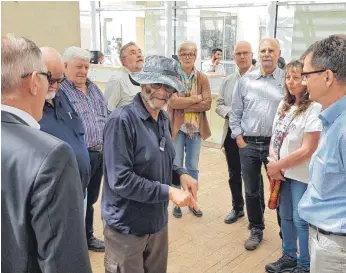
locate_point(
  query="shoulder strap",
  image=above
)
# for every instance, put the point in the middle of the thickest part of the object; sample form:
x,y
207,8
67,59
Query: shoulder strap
x,y
284,135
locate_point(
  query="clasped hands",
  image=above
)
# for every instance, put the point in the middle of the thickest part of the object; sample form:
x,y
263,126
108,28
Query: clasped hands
x,y
187,196
274,170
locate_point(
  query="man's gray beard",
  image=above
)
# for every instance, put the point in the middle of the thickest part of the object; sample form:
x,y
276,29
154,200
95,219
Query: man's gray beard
x,y
50,95
147,99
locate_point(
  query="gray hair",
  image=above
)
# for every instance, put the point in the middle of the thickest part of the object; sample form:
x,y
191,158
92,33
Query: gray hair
x,y
124,47
188,45
19,56
73,52
329,53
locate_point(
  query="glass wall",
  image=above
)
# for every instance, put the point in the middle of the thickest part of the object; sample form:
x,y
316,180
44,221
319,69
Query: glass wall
x,y
299,25
219,27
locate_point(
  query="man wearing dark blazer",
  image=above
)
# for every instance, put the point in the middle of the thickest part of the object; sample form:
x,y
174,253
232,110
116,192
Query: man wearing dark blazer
x,y
41,194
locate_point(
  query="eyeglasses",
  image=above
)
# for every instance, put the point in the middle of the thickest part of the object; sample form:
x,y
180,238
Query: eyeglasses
x,y
47,74
238,54
59,80
187,56
306,74
168,88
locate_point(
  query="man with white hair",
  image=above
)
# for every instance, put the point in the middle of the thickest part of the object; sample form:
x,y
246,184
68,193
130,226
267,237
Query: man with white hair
x,y
119,89
60,119
41,196
243,57
254,104
139,171
90,104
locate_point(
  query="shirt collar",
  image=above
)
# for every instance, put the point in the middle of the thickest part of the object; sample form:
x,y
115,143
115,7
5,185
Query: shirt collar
x,y
274,74
329,115
250,69
21,114
69,82
141,110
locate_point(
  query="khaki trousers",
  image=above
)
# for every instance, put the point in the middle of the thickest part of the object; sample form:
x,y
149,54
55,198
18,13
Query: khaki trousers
x,y
328,253
127,253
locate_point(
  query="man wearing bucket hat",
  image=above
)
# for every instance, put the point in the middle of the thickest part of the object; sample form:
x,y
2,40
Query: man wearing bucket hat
x,y
139,170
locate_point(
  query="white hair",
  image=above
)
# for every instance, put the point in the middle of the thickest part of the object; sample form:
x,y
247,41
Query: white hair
x,y
19,56
73,52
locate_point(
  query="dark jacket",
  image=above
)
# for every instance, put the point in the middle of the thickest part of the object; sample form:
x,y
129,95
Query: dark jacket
x,y
63,122
42,217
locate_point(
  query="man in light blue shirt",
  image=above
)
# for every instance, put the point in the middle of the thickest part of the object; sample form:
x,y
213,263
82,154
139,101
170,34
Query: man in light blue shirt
x,y
254,105
324,203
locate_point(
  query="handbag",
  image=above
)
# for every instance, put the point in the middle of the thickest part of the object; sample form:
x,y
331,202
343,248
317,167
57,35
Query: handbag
x,y
274,185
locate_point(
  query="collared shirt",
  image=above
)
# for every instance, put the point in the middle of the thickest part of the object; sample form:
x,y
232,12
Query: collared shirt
x,y
26,117
91,108
254,103
64,123
120,90
224,100
219,69
324,202
138,158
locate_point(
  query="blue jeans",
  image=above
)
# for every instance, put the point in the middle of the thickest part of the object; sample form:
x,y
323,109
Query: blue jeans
x,y
292,226
192,147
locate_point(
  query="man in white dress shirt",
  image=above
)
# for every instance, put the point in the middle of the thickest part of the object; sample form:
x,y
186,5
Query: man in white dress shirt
x,y
214,65
119,89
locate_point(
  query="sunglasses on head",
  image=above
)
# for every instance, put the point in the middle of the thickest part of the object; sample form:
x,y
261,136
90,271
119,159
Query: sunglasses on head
x,y
168,88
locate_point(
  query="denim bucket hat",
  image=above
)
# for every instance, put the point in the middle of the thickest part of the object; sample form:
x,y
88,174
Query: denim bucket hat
x,y
159,69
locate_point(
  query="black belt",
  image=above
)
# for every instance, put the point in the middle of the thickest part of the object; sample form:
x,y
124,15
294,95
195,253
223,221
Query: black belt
x,y
258,139
97,148
324,232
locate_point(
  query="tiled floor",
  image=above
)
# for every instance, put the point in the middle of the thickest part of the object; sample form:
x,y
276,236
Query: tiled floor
x,y
206,244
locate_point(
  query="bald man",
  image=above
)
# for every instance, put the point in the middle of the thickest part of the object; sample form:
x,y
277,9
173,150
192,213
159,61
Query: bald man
x,y
243,58
254,104
59,118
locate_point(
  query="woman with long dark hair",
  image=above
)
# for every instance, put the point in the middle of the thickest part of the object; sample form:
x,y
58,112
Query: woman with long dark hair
x,y
296,131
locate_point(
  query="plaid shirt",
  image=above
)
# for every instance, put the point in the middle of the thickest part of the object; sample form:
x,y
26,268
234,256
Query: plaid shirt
x,y
91,108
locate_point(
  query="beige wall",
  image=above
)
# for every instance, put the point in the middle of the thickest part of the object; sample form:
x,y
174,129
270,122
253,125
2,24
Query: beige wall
x,y
55,24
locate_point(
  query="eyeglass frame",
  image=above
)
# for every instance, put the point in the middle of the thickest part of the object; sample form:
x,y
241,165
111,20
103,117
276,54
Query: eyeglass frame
x,y
60,80
245,54
48,74
167,88
305,74
187,56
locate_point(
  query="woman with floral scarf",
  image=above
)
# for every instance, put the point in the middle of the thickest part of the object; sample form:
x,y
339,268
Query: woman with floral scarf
x,y
188,115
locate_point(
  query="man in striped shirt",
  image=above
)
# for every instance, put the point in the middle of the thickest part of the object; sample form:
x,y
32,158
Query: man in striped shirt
x,y
90,104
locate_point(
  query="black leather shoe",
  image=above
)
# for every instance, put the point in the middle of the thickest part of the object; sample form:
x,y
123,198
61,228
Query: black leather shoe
x,y
233,216
197,213
96,244
177,212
